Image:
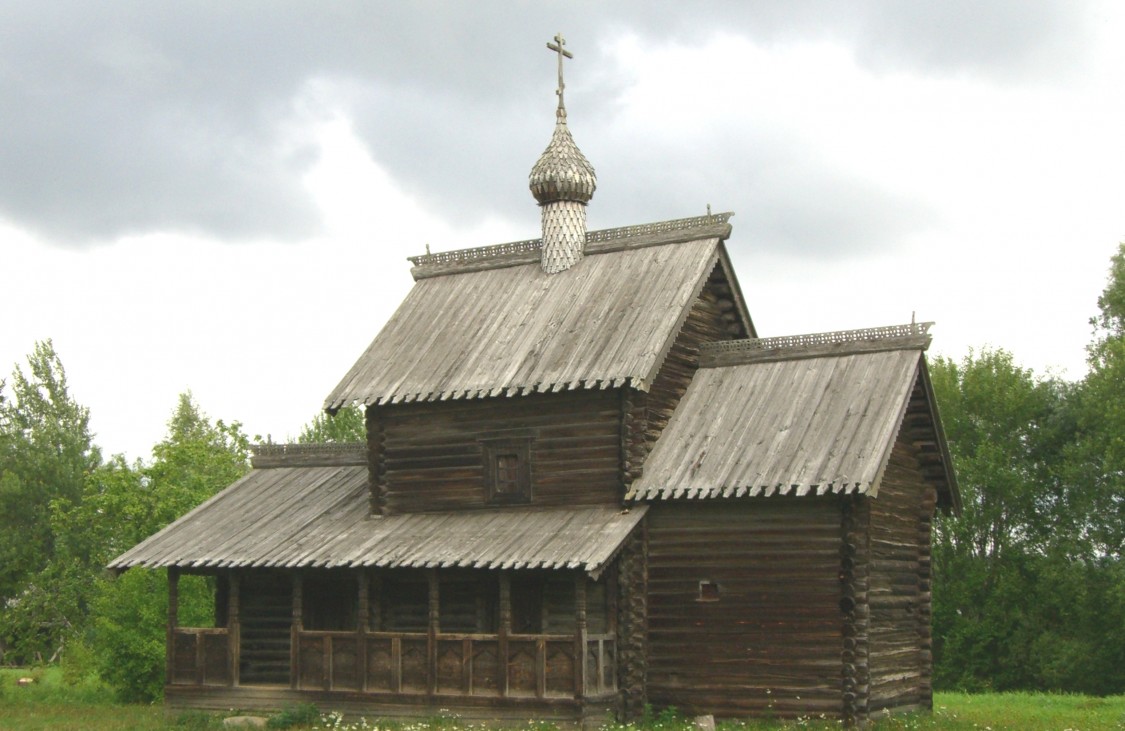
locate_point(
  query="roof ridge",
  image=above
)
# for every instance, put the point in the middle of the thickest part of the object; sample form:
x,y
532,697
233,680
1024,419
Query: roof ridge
x,y
812,345
308,455
598,242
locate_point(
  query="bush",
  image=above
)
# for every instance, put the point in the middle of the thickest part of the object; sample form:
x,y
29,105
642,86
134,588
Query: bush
x,y
304,714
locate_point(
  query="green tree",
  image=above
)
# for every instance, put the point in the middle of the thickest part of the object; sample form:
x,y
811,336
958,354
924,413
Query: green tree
x,y
345,426
1007,431
1098,457
196,459
46,454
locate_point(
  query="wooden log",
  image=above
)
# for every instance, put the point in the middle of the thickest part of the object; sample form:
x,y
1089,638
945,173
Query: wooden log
x,y
296,626
173,623
234,625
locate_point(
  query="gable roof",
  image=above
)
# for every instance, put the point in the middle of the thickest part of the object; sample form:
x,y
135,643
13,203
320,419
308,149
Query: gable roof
x,y
486,322
316,515
804,415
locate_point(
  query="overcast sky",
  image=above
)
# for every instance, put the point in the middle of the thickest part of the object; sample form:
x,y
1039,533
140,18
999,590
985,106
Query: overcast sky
x,y
220,196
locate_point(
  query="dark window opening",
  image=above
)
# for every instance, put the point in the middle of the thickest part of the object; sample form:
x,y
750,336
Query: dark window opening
x,y
507,469
527,606
405,604
330,601
708,591
468,603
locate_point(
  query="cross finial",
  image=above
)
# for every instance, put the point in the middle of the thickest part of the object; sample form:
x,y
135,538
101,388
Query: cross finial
x,y
557,47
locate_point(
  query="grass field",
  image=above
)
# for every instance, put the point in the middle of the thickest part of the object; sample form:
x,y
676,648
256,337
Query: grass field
x,y
51,705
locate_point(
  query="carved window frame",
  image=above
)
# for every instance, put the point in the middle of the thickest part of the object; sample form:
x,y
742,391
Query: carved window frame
x,y
512,483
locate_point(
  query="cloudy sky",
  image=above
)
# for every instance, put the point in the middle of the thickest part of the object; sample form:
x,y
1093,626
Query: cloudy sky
x,y
220,196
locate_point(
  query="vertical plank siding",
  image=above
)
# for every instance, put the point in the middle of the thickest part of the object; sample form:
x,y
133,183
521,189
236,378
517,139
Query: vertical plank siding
x,y
430,458
770,643
899,585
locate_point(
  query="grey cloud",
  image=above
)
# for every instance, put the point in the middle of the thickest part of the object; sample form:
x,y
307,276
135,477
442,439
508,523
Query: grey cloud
x,y
143,116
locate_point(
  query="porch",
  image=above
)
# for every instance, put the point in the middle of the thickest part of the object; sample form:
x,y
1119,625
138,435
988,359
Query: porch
x,y
400,642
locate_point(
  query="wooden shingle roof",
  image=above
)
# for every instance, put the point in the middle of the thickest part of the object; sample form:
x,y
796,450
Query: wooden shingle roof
x,y
317,516
487,322
792,416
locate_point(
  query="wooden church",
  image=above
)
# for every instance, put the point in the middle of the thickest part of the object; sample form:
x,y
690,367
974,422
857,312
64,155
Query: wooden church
x,y
587,486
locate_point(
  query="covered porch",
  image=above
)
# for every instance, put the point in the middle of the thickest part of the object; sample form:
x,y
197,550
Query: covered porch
x,y
438,634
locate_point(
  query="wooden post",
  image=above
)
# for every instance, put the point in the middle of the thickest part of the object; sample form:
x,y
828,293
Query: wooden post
x,y
361,626
854,571
173,622
580,635
295,632
505,629
234,626
433,629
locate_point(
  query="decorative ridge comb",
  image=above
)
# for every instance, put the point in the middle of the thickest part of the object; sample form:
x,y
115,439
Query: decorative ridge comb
x,y
914,335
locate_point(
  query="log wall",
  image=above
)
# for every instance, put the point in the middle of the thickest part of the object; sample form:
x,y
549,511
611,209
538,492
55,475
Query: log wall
x,y
899,586
769,642
428,456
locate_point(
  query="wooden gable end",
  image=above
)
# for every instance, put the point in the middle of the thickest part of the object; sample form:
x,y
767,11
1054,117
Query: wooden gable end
x,y
718,313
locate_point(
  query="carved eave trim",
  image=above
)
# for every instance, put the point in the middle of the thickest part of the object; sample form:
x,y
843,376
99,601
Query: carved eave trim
x,y
913,336
308,455
604,241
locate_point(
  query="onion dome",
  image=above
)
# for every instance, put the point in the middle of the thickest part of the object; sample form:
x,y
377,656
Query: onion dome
x,y
562,172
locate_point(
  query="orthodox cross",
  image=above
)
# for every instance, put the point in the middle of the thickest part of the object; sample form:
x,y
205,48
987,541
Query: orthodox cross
x,y
557,47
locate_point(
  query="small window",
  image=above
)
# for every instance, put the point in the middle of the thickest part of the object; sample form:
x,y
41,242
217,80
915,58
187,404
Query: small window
x,y
507,469
708,591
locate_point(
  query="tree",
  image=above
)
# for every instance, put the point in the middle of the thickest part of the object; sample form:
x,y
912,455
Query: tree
x,y
46,454
345,426
195,460
1008,431
1098,457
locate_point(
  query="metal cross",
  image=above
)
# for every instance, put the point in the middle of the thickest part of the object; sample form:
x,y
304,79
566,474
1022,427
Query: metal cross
x,y
557,47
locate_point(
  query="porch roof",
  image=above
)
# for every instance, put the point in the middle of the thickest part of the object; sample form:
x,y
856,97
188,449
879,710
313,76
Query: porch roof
x,y
318,516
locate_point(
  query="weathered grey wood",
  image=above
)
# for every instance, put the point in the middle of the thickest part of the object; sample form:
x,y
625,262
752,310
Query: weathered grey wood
x,y
297,627
776,623
234,626
308,455
173,622
318,517
533,331
505,628
597,242
816,345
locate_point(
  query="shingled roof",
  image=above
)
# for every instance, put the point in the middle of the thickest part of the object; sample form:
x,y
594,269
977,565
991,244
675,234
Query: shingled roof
x,y
308,507
486,322
800,415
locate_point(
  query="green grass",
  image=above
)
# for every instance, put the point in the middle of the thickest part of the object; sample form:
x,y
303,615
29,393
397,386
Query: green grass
x,y
52,705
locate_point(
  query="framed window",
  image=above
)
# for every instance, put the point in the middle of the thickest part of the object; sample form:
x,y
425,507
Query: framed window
x,y
507,469
708,591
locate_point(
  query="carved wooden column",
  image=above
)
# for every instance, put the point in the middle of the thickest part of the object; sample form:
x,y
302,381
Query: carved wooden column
x,y
234,625
505,629
580,635
433,629
296,627
854,573
173,622
362,622
632,627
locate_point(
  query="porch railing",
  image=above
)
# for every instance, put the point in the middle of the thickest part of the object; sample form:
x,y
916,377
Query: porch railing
x,y
456,664
200,656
